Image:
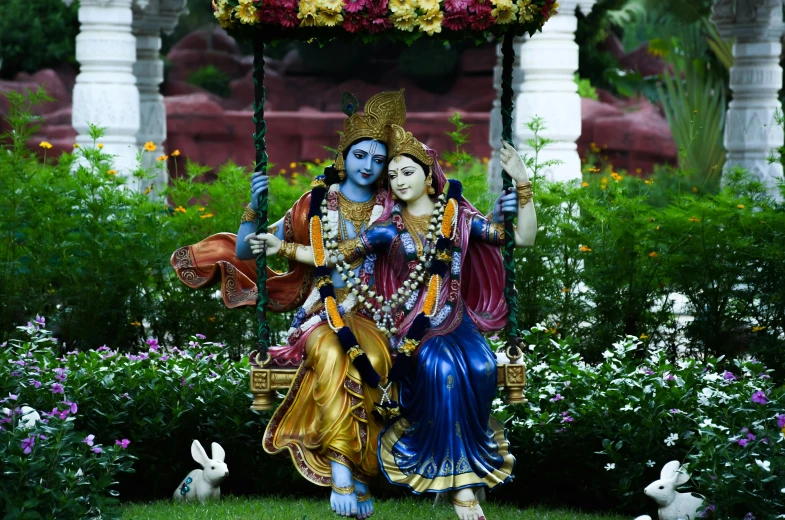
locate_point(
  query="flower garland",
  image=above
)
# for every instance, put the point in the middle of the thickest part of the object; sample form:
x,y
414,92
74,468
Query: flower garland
x,y
458,18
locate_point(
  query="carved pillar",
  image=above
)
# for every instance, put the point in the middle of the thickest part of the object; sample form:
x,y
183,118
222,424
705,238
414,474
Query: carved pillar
x,y
495,137
150,18
548,63
755,80
105,92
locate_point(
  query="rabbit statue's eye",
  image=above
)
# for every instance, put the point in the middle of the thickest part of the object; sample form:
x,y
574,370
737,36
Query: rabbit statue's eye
x,y
212,467
662,487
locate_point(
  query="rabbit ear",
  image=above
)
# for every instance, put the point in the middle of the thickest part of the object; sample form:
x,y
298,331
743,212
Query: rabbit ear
x,y
198,453
681,477
670,469
218,452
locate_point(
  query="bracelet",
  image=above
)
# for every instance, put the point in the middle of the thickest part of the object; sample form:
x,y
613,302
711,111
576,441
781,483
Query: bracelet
x,y
249,215
364,498
524,190
496,232
343,490
471,504
288,250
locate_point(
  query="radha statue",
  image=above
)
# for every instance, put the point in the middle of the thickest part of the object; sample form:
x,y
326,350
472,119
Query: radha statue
x,y
326,420
439,282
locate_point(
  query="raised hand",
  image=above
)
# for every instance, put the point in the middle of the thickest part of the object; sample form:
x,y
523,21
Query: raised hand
x,y
263,242
259,184
512,163
506,203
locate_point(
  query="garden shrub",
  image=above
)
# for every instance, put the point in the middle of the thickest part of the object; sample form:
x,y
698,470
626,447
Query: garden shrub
x,y
51,469
595,434
212,79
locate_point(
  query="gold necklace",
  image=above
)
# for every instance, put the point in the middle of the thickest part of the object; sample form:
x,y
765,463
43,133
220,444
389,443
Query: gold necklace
x,y
417,225
358,213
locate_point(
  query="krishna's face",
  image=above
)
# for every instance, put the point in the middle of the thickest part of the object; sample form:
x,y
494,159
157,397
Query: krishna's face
x,y
365,162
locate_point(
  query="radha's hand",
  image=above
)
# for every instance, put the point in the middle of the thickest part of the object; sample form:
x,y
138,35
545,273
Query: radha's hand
x,y
506,203
259,184
512,163
263,242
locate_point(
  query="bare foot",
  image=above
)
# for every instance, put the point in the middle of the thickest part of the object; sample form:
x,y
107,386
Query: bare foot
x,y
365,507
466,505
344,504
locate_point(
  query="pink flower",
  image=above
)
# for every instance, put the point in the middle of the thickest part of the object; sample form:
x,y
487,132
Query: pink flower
x,y
97,449
377,25
456,21
482,18
89,439
455,5
102,348
153,344
759,398
377,8
57,388
124,443
201,336
353,6
27,445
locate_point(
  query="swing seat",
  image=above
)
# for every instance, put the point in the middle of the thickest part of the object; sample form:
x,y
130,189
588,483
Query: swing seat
x,y
267,378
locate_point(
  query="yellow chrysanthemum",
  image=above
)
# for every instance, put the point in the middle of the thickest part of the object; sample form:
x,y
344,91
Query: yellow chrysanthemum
x,y
46,145
526,10
428,5
162,158
504,12
401,6
100,146
431,22
329,18
175,153
246,13
404,21
150,146
333,6
307,13
223,13
111,172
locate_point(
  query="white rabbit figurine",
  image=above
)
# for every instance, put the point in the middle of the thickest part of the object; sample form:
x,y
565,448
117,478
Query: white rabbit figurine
x,y
203,484
673,505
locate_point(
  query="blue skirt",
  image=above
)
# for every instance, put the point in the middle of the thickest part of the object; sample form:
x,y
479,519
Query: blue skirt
x,y
446,438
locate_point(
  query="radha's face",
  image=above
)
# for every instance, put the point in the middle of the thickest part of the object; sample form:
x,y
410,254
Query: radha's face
x,y
365,162
407,178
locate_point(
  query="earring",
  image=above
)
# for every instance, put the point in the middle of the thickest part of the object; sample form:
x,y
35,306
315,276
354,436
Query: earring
x,y
429,182
394,197
342,175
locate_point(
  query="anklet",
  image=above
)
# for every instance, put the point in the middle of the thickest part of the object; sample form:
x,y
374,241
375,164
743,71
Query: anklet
x,y
343,490
364,498
471,504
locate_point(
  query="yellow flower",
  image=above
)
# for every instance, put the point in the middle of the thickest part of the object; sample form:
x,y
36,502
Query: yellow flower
x,y
740,206
584,184
317,161
566,289
695,189
404,21
136,323
653,254
246,12
585,249
526,11
649,182
616,176
175,153
307,13
431,22
644,336
200,208
329,18
76,145
758,328
162,158
111,172
694,219
207,215
603,187
148,190
657,228
504,12
45,144
150,146
428,5
100,146
212,319
180,209
401,6
485,160
292,165
334,6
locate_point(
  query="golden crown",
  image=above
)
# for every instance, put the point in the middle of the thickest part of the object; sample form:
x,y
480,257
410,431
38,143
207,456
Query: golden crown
x,y
381,111
403,142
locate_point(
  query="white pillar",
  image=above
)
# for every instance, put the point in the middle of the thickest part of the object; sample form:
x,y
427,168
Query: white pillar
x,y
150,18
751,133
105,92
548,62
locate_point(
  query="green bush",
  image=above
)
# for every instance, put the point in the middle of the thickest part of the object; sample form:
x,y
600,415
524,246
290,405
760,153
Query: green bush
x,y
212,79
51,469
35,34
598,433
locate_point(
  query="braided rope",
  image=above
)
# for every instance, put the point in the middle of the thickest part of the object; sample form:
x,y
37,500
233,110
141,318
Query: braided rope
x,y
263,329
508,253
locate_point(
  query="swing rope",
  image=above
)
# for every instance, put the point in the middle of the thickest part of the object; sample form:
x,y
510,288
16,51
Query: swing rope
x,y
263,327
508,253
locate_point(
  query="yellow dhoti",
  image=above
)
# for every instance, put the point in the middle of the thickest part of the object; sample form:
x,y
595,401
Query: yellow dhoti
x,y
327,413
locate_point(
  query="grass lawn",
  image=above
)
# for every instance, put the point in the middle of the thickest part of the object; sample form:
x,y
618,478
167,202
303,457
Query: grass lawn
x,y
268,508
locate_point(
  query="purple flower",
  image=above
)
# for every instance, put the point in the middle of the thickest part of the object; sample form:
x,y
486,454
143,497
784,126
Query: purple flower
x,y
36,384
201,336
124,443
728,376
749,516
57,388
705,512
557,397
751,436
12,397
97,449
649,372
15,374
759,397
125,395
153,344
19,362
164,357
42,437
675,410
714,477
27,445
89,439
764,376
102,348
60,377
670,377
494,337
182,381
72,406
198,356
40,320
781,421
742,442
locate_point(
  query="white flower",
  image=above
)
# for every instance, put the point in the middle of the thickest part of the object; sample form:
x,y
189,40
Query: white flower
x,y
529,423
539,368
707,423
627,407
647,389
703,400
610,466
671,439
650,463
724,398
607,354
764,465
711,376
550,389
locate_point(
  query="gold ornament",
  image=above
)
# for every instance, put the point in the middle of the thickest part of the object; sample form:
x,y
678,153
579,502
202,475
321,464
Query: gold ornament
x,y
403,142
417,227
429,182
524,190
288,250
358,213
381,111
249,215
471,504
343,490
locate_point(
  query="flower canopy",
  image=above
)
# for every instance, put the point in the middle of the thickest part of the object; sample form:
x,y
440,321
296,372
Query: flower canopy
x,y
405,20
